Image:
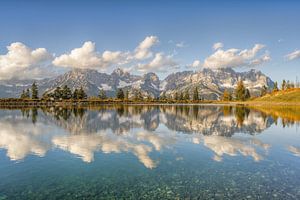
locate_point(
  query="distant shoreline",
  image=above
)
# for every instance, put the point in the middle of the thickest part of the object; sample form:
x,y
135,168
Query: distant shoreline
x,y
11,102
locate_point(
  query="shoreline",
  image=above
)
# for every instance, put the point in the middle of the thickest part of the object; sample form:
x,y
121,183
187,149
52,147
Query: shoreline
x,y
79,103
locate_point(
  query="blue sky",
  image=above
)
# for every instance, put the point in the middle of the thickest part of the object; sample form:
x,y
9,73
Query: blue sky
x,y
186,31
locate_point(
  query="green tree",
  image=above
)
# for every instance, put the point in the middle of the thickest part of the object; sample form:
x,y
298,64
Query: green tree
x,y
283,85
75,94
34,91
23,95
57,94
275,87
240,91
102,94
66,92
196,94
82,94
247,94
264,91
27,94
186,95
120,94
181,96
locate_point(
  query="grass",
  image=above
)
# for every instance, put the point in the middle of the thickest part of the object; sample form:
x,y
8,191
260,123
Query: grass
x,y
290,95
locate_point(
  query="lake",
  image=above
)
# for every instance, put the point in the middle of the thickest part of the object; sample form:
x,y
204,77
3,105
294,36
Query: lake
x,y
150,152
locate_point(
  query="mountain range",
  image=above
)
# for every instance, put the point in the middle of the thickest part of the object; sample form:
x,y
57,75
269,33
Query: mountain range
x,y
210,82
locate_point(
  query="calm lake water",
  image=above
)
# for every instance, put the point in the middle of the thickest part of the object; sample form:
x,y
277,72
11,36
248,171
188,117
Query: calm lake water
x,y
150,152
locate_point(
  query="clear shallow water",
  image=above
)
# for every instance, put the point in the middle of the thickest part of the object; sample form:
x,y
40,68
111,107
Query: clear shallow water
x,y
149,152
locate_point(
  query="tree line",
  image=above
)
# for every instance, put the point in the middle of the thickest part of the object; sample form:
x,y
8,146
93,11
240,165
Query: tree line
x,y
240,93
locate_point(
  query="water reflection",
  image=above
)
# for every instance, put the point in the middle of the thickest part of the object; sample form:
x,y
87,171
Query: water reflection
x,y
139,130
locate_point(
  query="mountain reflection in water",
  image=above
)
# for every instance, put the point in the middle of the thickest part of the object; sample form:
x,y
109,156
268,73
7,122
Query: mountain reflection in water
x,y
139,130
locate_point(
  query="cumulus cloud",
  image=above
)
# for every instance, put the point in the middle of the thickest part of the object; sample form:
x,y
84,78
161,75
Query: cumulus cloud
x,y
87,57
218,45
294,55
22,61
143,51
236,57
160,62
196,64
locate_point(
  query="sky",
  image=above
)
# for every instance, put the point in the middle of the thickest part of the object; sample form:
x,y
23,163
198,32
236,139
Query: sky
x,y
44,38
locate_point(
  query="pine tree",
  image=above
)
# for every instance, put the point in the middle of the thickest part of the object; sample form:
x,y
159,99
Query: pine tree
x,y
34,91
66,92
186,95
181,96
275,88
82,94
264,91
75,94
240,91
57,93
120,94
102,94
247,94
27,94
23,95
283,85
196,94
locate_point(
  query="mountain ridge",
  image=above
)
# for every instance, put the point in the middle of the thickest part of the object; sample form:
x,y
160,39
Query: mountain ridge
x,y
210,82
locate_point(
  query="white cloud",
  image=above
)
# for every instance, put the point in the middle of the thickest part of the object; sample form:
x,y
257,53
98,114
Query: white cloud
x,y
22,62
218,45
236,57
143,51
87,57
196,64
294,55
259,61
157,63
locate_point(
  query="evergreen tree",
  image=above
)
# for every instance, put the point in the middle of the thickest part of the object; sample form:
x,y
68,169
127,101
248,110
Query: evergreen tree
x,y
120,94
75,94
283,85
186,95
66,92
275,88
240,91
102,94
34,91
181,96
27,94
196,94
23,95
57,93
247,94
264,91
82,94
